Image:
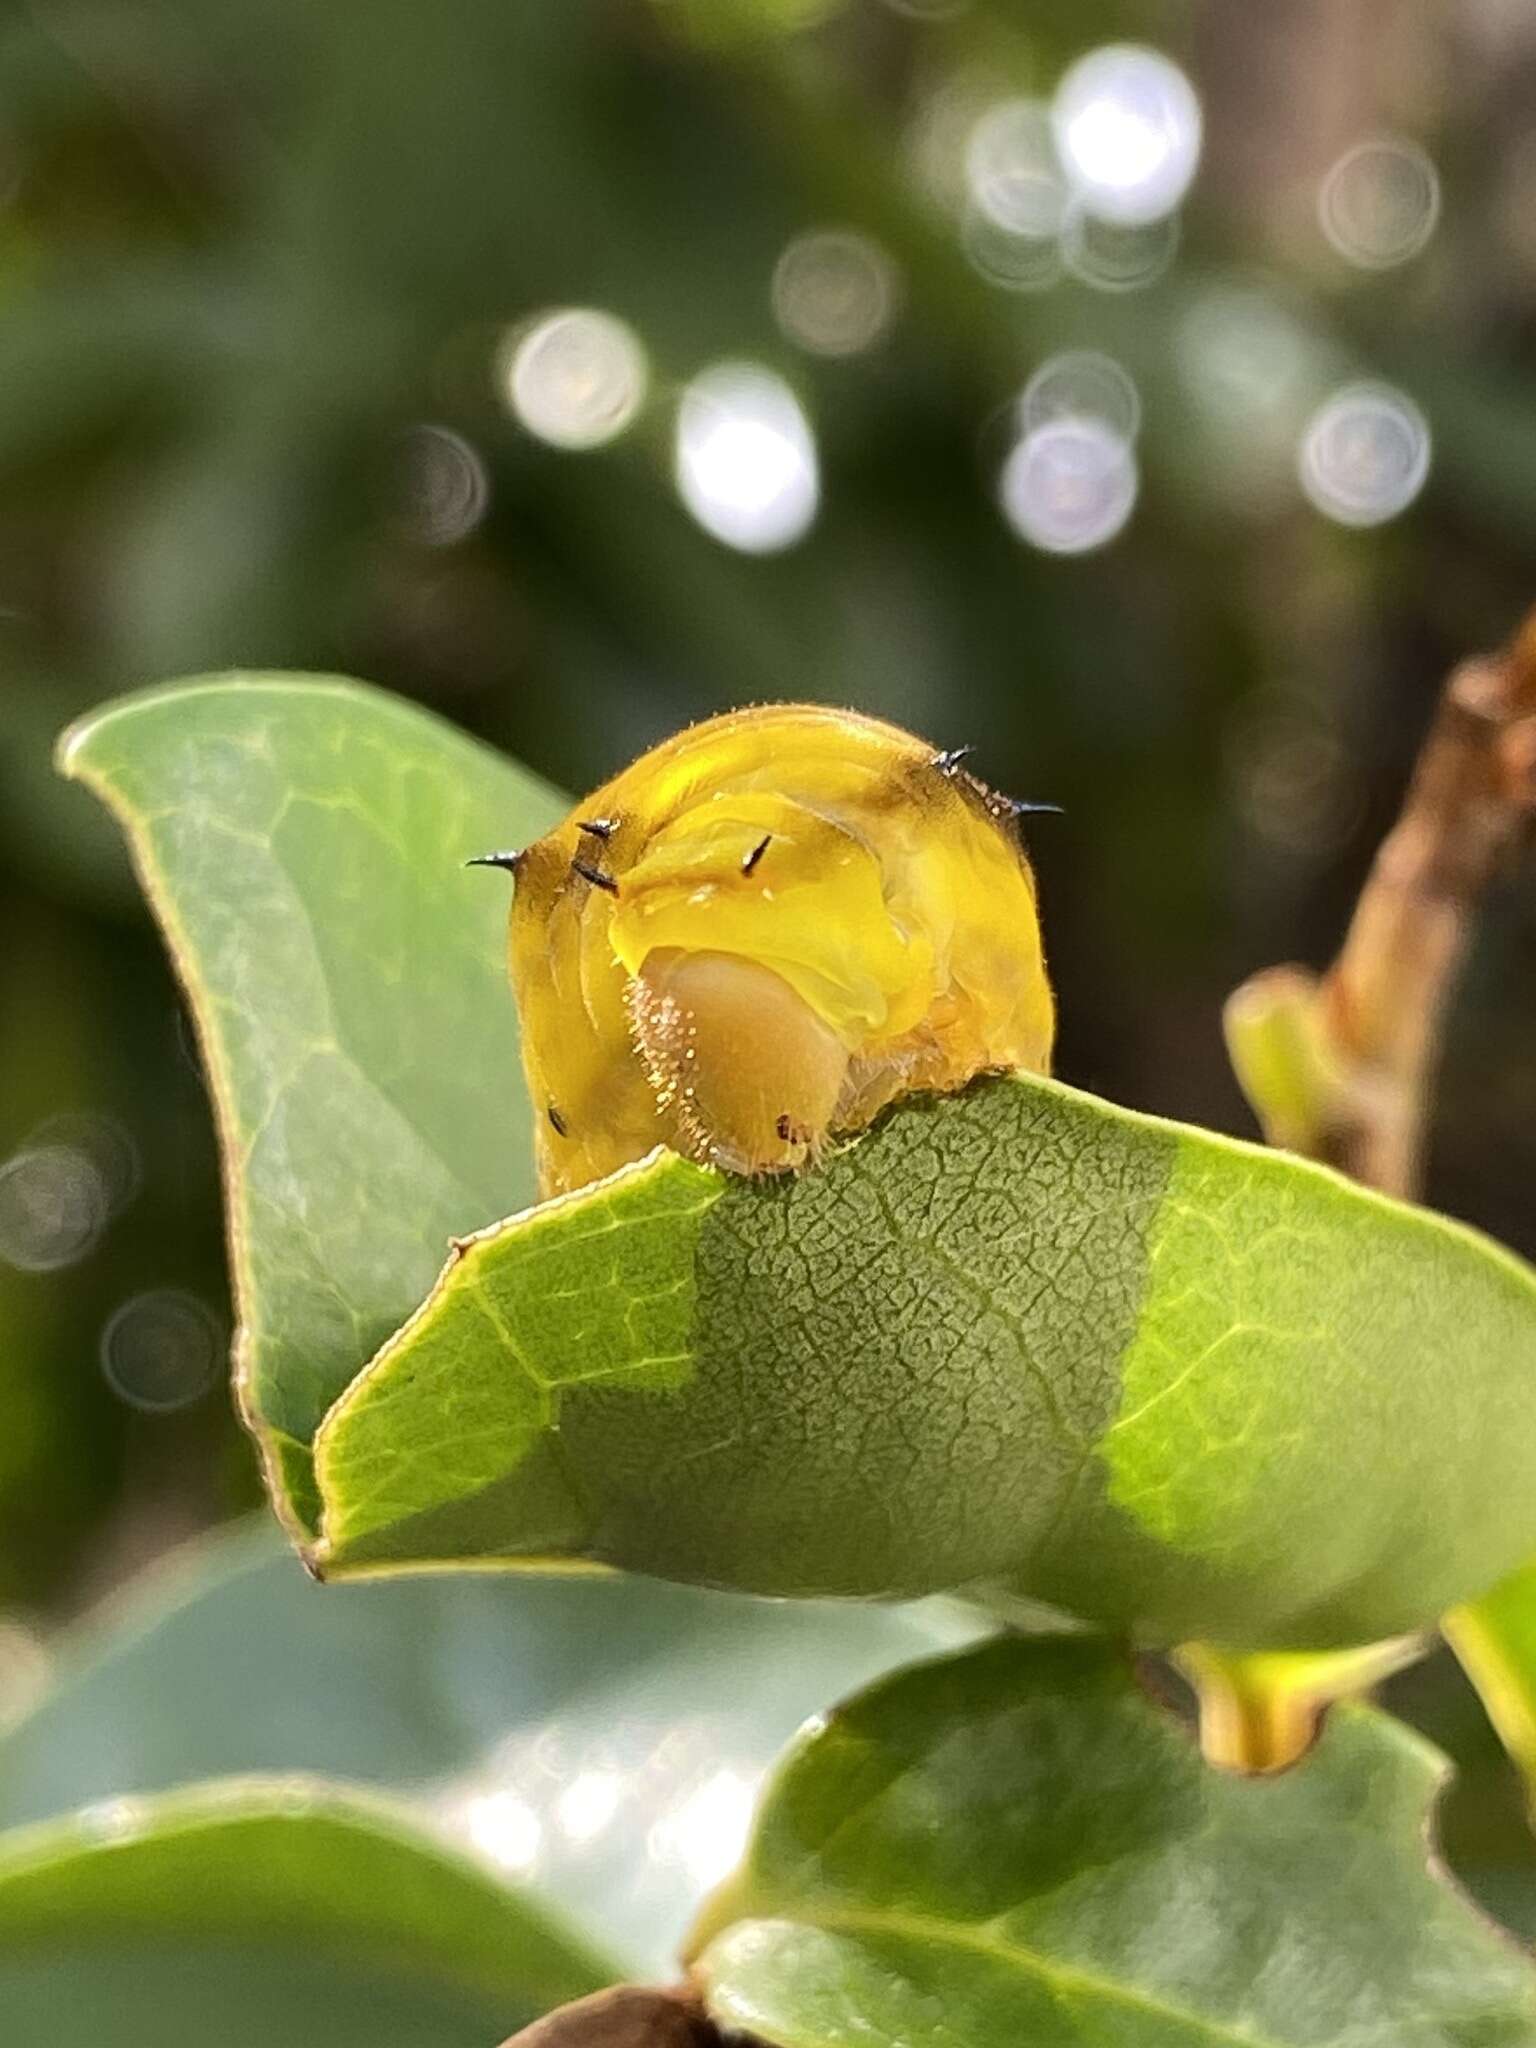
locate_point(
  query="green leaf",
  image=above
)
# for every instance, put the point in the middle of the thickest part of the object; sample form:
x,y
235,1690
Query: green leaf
x,y
1483,1829
1017,1846
1140,1371
1019,1339
302,841
1495,1640
261,1911
482,1701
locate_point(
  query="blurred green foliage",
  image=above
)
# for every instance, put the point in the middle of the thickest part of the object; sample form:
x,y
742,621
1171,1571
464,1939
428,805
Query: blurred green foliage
x,y
247,246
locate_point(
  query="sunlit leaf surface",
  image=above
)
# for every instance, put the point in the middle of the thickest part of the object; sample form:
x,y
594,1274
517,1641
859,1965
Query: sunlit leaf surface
x,y
302,842
1138,1370
1163,1379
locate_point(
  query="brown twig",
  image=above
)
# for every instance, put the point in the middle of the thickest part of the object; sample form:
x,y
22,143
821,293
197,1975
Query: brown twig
x,y
1342,1067
628,2016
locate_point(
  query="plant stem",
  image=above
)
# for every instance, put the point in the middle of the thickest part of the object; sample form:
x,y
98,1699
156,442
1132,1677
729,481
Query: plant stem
x,y
1260,1713
1495,1643
628,2016
1340,1067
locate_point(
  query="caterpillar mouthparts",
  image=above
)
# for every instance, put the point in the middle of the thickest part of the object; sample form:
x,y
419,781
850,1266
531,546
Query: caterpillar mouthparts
x,y
763,932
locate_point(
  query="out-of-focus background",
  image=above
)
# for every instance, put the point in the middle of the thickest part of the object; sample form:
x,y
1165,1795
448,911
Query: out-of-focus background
x,y
1144,394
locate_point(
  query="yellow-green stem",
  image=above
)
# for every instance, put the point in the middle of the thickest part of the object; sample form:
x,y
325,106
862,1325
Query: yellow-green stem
x,y
1261,1712
1495,1641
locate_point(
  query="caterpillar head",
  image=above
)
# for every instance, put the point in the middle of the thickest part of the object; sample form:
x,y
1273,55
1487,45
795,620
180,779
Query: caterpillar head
x,y
763,932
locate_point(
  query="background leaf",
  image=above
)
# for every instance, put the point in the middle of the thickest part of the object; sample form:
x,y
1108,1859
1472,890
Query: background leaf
x,y
1495,1639
1124,1894
1482,1825
266,1912
1145,1371
600,1739
302,841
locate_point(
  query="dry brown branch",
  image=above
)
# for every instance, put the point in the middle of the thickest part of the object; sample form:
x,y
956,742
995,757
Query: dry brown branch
x,y
1342,1067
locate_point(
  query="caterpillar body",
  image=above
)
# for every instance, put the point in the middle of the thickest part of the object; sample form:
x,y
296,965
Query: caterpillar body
x,y
763,932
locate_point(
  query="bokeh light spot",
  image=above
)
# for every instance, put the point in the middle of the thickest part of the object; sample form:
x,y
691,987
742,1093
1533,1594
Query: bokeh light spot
x,y
54,1204
575,378
1019,263
1290,777
505,1828
1365,454
745,458
105,1142
1254,372
1117,256
1012,173
707,1832
444,486
834,292
938,139
1379,203
162,1350
1082,384
1246,357
1069,485
588,1804
1128,129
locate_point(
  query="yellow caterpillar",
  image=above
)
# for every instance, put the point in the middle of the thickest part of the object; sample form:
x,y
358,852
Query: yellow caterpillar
x,y
760,934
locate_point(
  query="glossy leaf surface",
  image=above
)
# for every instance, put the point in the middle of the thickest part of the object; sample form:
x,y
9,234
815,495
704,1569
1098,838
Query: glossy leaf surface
x,y
1127,1894
266,1911
597,1740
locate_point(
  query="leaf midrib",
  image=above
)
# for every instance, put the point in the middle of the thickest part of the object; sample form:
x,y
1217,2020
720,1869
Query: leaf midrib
x,y
918,1927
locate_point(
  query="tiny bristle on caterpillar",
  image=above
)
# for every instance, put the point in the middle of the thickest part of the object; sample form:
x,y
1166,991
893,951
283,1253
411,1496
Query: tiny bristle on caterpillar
x,y
760,934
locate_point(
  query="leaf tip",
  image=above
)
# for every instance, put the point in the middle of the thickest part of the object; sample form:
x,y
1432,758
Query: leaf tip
x,y
71,743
